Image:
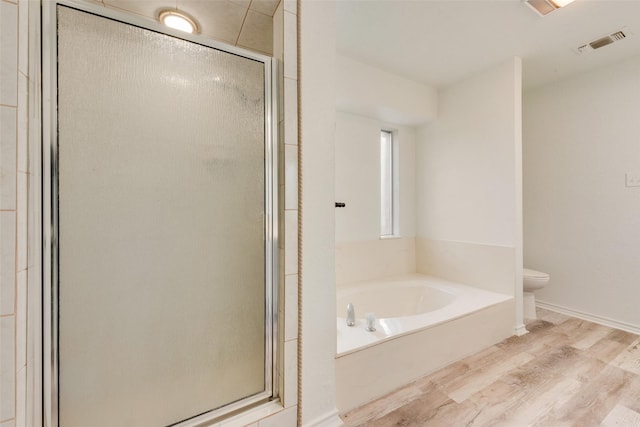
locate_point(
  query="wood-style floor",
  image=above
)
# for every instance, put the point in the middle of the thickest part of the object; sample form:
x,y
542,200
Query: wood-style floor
x,y
565,372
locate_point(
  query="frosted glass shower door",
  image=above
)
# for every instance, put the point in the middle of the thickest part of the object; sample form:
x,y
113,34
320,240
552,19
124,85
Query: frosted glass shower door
x,y
161,230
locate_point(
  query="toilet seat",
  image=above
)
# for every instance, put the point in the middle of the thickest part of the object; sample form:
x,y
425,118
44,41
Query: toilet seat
x,y
533,280
534,275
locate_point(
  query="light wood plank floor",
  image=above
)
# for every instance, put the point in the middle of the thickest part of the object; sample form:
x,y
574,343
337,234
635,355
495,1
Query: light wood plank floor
x,y
565,372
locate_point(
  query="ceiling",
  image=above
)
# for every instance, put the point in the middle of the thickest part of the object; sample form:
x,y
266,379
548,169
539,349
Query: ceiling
x,y
438,42
245,23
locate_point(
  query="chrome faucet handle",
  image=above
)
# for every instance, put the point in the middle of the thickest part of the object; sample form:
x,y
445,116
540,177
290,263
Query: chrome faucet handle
x,y
351,315
371,322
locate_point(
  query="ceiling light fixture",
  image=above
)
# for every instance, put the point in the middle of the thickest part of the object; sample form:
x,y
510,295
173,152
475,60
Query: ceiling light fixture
x,y
543,7
561,3
178,20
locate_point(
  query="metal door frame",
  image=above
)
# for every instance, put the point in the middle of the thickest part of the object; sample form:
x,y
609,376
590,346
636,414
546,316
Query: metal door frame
x,y
50,204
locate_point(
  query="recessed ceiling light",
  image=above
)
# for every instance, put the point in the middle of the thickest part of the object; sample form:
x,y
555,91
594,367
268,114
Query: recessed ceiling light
x,y
561,3
178,20
544,7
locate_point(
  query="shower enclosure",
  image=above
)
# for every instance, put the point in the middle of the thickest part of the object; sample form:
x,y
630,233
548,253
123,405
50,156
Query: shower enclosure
x,y
159,178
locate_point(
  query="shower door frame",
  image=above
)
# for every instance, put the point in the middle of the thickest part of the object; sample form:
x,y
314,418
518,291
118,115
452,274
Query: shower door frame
x,y
50,204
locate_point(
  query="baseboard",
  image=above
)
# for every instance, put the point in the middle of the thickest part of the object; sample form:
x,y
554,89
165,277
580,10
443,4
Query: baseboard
x,y
520,330
332,419
634,329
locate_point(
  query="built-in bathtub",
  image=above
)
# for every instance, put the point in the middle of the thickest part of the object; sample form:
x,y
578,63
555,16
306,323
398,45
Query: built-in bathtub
x,y
422,324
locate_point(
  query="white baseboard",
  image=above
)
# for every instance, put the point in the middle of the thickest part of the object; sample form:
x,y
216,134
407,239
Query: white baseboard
x,y
332,419
520,330
634,329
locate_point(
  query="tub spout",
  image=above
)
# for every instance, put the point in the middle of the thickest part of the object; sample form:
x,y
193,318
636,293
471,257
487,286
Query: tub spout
x,y
351,315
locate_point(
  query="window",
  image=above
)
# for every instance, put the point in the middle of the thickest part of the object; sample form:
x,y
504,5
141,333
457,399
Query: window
x,y
387,174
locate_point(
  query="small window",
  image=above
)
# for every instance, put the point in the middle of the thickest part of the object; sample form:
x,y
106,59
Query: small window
x,y
387,173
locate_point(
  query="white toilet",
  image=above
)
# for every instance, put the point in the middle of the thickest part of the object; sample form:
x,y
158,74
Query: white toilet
x,y
532,280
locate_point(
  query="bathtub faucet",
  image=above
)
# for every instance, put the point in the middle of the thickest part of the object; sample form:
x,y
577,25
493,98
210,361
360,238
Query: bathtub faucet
x,y
371,322
351,315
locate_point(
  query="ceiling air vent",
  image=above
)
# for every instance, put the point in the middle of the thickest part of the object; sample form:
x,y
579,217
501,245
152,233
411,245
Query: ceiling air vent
x,y
603,41
597,44
618,35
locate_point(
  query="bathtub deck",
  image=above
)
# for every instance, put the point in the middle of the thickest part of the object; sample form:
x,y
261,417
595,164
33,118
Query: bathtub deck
x,y
565,372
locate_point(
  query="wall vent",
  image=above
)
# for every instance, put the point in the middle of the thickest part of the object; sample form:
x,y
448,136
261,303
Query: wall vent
x,y
603,41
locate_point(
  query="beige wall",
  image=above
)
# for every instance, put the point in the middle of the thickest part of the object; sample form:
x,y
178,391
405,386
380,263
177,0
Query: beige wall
x,y
374,259
489,267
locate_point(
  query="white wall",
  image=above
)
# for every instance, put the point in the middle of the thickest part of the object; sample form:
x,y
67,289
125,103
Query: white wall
x,y
357,181
468,181
317,270
466,169
370,99
582,225
358,177
372,92
360,253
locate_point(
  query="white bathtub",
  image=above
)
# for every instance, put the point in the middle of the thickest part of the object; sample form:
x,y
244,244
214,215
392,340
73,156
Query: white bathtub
x,y
423,323
402,297
404,305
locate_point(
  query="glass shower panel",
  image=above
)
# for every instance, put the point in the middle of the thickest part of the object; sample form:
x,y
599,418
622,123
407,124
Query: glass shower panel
x,y
161,200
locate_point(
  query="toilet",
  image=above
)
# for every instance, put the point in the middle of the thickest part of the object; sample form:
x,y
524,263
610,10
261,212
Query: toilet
x,y
532,280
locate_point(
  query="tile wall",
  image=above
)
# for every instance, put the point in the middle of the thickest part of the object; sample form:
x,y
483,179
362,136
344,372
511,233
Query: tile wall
x,y
289,205
20,207
14,177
